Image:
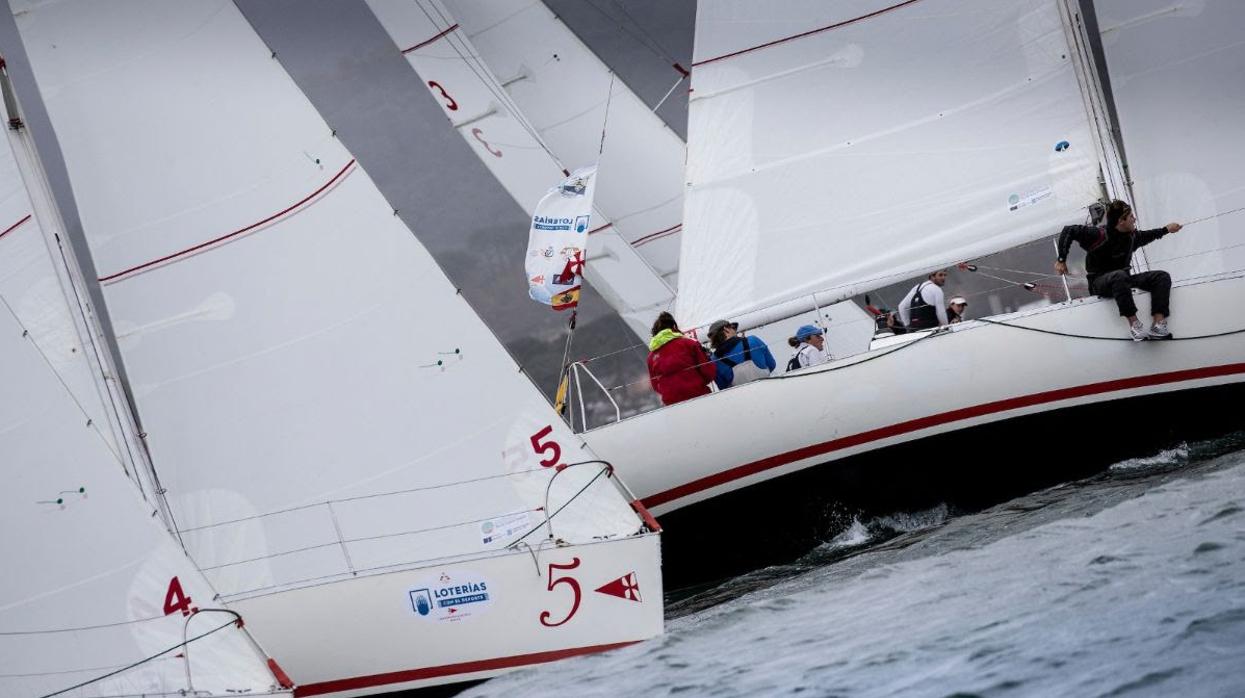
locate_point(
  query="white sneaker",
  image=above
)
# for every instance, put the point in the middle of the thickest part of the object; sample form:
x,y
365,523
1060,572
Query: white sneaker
x,y
1137,330
1160,331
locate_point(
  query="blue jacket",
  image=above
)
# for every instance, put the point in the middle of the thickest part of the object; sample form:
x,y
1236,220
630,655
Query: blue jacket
x,y
728,357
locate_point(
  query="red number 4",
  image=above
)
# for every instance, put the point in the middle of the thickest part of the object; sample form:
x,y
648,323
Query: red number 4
x,y
176,600
553,582
549,447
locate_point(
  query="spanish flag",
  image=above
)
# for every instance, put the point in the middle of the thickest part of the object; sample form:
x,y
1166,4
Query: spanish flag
x,y
567,299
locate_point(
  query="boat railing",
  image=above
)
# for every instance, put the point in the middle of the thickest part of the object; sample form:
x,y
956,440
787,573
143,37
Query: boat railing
x,y
354,536
578,370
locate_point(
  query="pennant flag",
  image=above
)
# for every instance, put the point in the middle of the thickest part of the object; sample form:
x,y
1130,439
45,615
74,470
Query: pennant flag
x,y
559,398
558,241
625,587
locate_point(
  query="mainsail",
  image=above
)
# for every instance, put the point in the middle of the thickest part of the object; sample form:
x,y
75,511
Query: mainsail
x,y
824,154
1178,67
320,400
485,111
97,596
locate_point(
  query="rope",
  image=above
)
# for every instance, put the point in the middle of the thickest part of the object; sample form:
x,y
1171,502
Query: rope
x,y
609,97
9,633
937,332
138,663
342,500
1109,339
575,496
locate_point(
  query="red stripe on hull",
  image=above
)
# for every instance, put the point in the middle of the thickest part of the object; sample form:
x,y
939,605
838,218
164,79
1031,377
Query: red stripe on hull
x,y
934,420
434,672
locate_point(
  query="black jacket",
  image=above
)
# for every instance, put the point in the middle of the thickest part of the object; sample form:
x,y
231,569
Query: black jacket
x,y
1105,250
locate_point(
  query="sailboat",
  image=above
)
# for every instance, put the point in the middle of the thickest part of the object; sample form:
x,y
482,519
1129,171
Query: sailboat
x,y
345,450
98,598
837,148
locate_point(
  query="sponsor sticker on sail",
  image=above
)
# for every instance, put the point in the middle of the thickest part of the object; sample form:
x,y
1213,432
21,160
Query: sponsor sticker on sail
x,y
558,240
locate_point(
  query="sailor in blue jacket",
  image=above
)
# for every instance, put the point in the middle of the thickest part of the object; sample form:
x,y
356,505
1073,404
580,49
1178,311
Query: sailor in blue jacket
x,y
738,359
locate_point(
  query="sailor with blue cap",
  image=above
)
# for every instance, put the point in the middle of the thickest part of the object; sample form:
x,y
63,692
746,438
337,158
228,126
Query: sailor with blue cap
x,y
810,344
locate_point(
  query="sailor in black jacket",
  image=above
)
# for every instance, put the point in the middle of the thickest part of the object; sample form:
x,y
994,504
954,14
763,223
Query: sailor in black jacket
x,y
1108,258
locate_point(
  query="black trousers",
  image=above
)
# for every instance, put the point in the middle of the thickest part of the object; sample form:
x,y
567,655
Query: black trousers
x,y
1119,284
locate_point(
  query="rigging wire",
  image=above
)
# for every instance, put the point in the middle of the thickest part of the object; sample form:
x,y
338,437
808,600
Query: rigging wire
x,y
90,421
140,662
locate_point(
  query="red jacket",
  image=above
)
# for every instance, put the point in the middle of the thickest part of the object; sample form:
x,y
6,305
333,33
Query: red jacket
x,y
679,368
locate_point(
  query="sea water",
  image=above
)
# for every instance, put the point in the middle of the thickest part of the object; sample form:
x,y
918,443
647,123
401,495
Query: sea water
x,y
1130,583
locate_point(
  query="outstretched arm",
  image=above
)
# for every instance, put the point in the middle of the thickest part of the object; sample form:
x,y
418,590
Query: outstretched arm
x,y
1144,237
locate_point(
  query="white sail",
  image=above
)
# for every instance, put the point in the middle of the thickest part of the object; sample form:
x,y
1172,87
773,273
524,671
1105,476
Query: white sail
x,y
1176,75
338,409
481,110
828,149
563,90
90,572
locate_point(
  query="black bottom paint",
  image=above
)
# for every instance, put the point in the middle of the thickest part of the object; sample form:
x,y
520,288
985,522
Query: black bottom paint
x,y
969,470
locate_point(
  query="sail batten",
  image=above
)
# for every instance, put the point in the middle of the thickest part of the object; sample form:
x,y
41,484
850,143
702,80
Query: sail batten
x,y
828,149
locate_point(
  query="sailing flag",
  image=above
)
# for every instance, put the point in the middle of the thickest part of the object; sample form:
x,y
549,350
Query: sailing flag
x,y
559,398
558,241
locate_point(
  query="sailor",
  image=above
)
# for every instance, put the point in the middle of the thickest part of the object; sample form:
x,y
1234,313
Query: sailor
x,y
739,359
678,367
923,308
810,347
955,309
1108,257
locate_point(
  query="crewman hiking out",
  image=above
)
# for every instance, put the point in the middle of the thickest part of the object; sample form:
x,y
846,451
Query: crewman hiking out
x,y
1108,259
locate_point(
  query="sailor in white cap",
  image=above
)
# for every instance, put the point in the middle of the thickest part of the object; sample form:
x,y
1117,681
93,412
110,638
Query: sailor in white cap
x,y
956,308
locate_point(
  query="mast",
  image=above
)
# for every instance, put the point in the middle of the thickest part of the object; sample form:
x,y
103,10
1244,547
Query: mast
x,y
94,339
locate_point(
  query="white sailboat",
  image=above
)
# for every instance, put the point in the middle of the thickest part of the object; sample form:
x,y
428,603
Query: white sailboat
x,y
543,116
350,455
98,599
828,158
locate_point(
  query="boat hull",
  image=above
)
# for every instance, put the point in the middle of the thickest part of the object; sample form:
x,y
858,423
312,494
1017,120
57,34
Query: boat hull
x,y
978,374
462,621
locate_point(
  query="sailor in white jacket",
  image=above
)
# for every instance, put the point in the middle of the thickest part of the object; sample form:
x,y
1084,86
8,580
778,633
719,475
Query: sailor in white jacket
x,y
924,308
810,346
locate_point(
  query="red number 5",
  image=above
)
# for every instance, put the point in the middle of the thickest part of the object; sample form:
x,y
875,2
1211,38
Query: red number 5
x,y
550,447
544,615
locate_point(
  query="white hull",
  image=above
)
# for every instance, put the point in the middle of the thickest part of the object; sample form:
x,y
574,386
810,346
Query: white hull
x,y
366,635
975,374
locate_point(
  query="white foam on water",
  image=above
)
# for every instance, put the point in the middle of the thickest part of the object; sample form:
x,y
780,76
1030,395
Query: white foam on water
x,y
1163,459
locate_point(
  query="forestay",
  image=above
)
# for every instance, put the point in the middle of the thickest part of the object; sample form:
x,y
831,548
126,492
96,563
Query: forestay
x,y
320,401
479,107
89,570
1176,75
563,89
850,144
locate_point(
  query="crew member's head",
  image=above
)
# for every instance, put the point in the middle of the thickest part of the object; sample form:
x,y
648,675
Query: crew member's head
x,y
938,277
1120,217
808,334
665,321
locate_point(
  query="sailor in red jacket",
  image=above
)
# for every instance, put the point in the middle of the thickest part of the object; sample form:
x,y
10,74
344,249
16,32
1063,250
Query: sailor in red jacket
x,y
678,366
